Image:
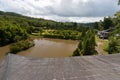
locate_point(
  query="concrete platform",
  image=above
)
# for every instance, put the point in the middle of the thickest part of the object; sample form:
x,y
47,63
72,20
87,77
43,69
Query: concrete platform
x,y
16,67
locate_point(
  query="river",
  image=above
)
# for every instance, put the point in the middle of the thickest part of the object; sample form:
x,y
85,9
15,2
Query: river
x,y
3,51
46,47
51,48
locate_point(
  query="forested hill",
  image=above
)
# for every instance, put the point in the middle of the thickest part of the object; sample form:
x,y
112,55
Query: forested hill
x,y
39,22
16,27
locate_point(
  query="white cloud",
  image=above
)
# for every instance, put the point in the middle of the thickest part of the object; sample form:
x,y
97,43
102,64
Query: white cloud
x,y
63,10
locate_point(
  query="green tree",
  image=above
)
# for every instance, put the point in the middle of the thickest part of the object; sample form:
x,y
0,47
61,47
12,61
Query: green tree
x,y
107,23
11,33
114,46
87,44
114,40
100,25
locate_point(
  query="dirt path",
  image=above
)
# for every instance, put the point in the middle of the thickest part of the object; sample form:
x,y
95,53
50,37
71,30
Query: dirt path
x,y
99,48
101,45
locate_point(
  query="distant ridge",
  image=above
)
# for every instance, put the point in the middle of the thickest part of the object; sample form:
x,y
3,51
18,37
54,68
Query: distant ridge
x,y
10,13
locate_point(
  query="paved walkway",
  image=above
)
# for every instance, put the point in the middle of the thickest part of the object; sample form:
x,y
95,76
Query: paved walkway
x,y
100,67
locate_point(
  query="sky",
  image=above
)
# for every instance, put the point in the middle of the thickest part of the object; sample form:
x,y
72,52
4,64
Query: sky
x,y
81,11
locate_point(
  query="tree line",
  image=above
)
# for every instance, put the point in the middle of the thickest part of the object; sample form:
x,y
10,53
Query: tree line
x,y
63,34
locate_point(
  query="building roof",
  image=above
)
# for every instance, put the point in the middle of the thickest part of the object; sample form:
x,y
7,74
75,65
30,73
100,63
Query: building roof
x,y
100,67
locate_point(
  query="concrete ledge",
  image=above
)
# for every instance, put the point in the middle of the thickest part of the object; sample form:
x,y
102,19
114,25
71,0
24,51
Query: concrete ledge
x,y
16,67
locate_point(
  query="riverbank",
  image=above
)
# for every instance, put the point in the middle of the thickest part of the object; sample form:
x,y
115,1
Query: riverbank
x,y
59,34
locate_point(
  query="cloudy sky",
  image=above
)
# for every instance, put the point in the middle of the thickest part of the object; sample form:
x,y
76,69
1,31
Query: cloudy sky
x,y
63,10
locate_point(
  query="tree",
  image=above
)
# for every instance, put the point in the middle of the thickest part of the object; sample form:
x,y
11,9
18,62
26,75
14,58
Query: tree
x,y
107,23
100,25
96,25
114,40
87,44
114,46
11,33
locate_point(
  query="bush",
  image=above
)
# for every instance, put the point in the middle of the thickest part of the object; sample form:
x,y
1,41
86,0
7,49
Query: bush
x,y
21,45
114,45
76,53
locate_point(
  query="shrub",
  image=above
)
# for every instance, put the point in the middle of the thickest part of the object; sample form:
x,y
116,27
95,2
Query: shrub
x,y
21,45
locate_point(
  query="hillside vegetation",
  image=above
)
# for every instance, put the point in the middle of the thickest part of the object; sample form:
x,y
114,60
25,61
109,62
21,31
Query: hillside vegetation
x,y
114,36
16,27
